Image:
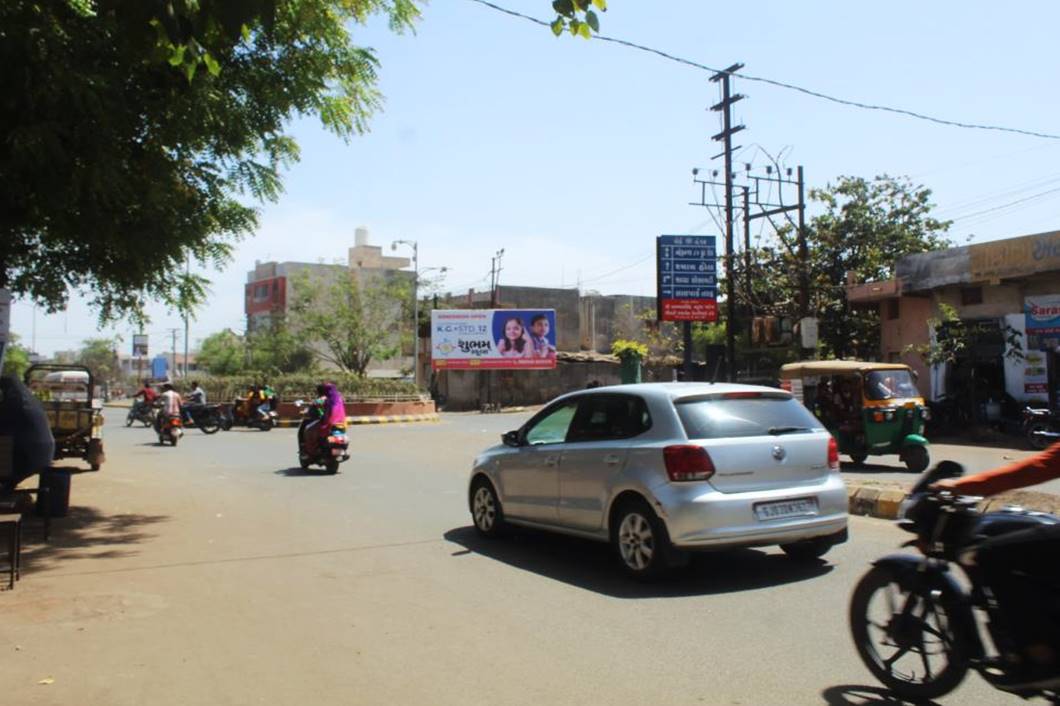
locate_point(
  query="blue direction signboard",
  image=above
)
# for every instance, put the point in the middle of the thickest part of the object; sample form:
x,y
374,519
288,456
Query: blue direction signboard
x,y
687,277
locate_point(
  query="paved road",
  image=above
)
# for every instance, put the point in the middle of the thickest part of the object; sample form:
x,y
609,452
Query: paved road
x,y
218,573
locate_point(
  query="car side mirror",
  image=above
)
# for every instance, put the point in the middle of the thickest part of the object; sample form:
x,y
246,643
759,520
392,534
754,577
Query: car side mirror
x,y
511,438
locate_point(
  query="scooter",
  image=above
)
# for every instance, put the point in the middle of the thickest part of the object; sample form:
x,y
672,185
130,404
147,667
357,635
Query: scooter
x,y
313,449
1035,422
207,418
915,626
170,429
143,412
234,415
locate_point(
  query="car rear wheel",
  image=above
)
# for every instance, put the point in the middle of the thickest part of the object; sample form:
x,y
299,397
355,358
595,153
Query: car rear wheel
x,y
808,550
486,509
640,540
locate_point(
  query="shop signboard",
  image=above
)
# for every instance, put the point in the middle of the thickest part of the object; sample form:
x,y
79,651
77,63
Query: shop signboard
x,y
493,339
1035,373
139,345
687,277
1043,314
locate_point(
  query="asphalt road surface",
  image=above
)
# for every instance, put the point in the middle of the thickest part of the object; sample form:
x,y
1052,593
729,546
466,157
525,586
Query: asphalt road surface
x,y
218,573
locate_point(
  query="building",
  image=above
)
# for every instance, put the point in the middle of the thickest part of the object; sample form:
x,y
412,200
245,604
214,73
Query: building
x,y
1007,290
269,288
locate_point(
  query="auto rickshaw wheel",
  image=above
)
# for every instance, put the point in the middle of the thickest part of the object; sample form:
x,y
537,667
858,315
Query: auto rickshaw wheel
x,y
916,458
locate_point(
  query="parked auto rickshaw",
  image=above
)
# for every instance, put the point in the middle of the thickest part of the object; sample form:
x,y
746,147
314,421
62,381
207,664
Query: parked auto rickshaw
x,y
872,409
75,412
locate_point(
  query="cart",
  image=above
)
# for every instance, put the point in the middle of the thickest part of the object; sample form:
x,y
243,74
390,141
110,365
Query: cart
x,y
74,409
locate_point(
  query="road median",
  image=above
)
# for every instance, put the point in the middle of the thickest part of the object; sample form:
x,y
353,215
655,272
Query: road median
x,y
883,500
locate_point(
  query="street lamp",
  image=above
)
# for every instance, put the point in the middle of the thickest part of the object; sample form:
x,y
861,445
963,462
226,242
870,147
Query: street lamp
x,y
415,302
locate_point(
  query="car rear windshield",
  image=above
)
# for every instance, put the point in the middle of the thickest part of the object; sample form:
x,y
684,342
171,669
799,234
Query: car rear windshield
x,y
719,417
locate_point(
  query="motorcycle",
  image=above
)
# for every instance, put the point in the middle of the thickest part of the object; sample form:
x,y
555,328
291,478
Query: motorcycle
x,y
914,625
235,415
1035,421
169,429
313,449
142,412
207,418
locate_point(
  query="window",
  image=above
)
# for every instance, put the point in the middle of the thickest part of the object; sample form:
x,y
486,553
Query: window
x,y
604,417
890,385
552,427
261,292
971,296
720,418
892,309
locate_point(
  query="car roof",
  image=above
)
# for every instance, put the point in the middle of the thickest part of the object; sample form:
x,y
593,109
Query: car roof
x,y
678,390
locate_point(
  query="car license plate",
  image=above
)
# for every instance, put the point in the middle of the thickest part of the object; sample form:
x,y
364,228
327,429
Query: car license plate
x,y
799,507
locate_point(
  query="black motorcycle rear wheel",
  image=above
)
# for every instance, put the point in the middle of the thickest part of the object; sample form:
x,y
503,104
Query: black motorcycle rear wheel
x,y
905,637
209,422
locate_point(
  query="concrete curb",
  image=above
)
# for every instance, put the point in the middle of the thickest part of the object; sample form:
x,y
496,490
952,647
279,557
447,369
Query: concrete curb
x,y
352,421
883,502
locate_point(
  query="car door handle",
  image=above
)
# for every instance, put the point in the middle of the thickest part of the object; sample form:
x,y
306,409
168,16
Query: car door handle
x,y
552,460
612,459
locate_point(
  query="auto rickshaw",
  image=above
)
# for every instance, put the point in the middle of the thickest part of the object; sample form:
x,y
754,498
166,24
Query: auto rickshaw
x,y
871,409
75,411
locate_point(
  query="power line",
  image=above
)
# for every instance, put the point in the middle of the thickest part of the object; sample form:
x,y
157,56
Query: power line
x,y
620,269
1007,205
788,86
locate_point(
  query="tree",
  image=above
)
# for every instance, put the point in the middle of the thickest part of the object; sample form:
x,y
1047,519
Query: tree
x,y
140,133
101,357
276,348
577,17
16,358
223,353
356,319
865,228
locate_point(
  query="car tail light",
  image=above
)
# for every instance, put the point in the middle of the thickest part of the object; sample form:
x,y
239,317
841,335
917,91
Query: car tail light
x,y
833,454
687,462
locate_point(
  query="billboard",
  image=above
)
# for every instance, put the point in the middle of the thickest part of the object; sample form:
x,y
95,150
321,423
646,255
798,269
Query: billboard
x,y
493,339
687,277
1043,314
139,344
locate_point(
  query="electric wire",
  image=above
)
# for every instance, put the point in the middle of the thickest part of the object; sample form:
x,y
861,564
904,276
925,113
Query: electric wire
x,y
788,86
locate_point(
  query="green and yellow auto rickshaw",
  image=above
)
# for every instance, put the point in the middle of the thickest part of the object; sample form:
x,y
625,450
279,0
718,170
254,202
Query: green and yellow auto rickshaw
x,y
872,409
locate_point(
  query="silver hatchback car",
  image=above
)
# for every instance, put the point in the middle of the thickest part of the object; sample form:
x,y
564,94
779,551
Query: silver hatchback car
x,y
662,469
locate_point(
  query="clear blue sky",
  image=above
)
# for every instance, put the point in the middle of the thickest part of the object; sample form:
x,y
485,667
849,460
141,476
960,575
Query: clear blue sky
x,y
573,155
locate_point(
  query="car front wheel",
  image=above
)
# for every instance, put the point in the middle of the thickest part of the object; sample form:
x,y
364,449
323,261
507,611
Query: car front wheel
x,y
640,541
486,509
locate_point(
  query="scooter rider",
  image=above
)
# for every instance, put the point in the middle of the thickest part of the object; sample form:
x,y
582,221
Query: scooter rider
x,y
149,395
170,405
1018,567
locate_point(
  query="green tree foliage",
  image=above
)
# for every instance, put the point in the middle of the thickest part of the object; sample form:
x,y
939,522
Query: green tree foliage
x,y
101,357
866,226
275,348
223,353
138,133
16,358
356,319
577,17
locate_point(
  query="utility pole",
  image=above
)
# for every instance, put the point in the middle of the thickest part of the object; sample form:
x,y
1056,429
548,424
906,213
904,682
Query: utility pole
x,y
804,254
495,278
725,137
187,273
173,333
747,261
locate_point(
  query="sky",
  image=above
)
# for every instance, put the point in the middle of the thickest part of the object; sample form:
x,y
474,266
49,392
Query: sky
x,y
572,155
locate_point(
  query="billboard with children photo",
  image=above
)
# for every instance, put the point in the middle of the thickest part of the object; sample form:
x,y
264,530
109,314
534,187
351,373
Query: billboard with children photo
x,y
493,339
